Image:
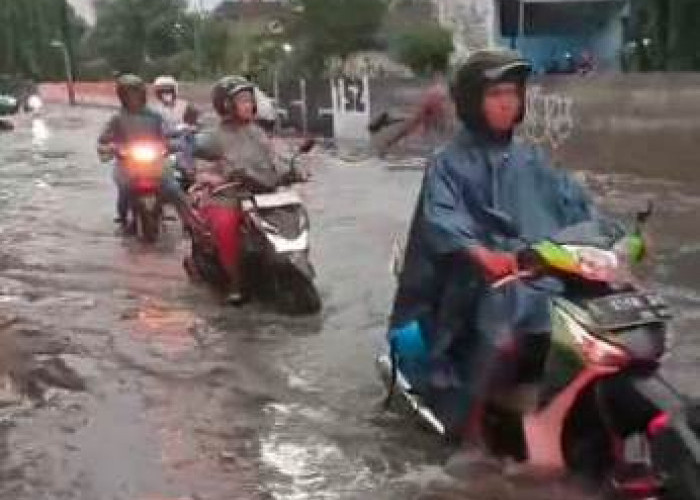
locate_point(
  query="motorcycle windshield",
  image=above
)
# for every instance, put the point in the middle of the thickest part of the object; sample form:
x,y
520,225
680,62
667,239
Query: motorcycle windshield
x,y
599,234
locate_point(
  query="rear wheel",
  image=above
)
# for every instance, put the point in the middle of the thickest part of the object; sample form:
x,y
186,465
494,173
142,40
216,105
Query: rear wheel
x,y
148,224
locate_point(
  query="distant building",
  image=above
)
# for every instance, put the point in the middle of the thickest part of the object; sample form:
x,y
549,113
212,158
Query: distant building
x,y
545,31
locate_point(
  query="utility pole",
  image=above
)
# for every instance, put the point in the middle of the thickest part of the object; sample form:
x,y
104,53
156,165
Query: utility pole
x,y
66,46
521,22
198,39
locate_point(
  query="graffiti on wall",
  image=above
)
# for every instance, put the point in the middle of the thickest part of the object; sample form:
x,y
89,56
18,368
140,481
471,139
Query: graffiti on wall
x,y
549,120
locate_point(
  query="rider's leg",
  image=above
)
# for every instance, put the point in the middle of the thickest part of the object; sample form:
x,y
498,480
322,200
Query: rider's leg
x,y
458,351
225,223
122,184
173,194
532,341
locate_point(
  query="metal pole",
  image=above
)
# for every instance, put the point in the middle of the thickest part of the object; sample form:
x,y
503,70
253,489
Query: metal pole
x,y
67,47
276,95
197,39
69,76
304,110
521,21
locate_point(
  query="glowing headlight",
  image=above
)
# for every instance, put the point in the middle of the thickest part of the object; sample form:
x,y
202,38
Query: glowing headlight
x,y
144,153
34,103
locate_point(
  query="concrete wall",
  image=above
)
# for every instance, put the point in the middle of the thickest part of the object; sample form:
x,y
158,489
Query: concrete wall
x,y
644,123
633,123
636,123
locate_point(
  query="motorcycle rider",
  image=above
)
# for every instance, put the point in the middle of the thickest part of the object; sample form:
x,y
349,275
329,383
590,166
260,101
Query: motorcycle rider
x,y
455,251
168,103
239,151
135,121
180,119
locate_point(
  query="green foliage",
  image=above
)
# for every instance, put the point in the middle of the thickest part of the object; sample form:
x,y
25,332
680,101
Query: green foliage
x,y
425,49
669,28
132,34
336,28
26,31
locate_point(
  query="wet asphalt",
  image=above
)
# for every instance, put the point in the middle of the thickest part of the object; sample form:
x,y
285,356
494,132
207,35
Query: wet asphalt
x,y
121,380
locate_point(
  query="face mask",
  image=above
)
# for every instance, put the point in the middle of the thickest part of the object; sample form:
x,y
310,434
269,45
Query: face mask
x,y
168,97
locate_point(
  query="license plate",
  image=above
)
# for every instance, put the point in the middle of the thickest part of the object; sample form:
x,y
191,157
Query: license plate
x,y
149,201
626,309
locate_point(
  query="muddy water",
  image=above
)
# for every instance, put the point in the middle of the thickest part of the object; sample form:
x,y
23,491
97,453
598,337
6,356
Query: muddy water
x,y
124,381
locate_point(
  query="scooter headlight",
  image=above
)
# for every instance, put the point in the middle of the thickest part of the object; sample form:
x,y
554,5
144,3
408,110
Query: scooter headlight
x,y
144,153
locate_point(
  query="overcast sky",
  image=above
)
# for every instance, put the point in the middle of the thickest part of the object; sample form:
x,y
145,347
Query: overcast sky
x,y
84,7
207,4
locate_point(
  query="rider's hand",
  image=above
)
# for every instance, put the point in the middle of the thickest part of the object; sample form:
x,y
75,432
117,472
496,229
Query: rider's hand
x,y
494,264
205,178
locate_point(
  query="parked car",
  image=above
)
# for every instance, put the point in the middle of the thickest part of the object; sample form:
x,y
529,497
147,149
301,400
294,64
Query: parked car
x,y
17,95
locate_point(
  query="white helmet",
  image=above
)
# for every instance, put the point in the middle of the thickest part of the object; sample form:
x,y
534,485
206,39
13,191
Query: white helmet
x,y
165,83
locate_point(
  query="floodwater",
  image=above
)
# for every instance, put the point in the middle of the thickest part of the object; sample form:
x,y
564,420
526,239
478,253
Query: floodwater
x,y
122,380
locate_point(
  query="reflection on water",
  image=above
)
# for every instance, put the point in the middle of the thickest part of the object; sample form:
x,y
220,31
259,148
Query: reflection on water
x,y
40,132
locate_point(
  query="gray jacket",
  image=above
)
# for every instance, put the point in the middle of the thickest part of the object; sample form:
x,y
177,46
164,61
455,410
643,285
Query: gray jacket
x,y
241,153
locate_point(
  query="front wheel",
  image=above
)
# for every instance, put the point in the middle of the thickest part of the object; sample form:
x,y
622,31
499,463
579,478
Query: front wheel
x,y
650,409
295,292
675,452
148,223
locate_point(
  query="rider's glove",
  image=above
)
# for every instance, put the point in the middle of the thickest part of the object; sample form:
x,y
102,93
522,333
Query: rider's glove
x,y
494,264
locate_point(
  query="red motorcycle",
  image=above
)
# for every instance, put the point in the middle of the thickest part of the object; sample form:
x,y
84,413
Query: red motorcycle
x,y
143,163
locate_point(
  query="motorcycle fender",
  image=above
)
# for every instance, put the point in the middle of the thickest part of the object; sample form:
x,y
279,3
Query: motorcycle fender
x,y
149,201
300,260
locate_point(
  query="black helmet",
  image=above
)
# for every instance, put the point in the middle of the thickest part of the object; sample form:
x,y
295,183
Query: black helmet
x,y
226,89
129,82
470,81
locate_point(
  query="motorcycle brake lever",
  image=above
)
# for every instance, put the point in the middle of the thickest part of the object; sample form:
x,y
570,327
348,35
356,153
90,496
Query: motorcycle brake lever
x,y
511,278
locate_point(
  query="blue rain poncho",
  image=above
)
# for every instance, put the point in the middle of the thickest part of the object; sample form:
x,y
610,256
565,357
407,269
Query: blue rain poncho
x,y
460,317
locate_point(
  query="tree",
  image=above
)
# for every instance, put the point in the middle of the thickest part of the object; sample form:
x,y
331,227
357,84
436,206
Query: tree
x,y
665,35
336,28
26,32
131,34
425,49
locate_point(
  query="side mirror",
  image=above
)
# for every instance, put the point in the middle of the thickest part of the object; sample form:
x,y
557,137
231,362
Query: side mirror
x,y
307,145
502,222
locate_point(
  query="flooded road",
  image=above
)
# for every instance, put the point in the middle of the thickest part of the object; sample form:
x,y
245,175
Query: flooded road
x,y
122,380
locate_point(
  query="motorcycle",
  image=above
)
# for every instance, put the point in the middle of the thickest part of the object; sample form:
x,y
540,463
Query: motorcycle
x,y
604,409
143,163
275,262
